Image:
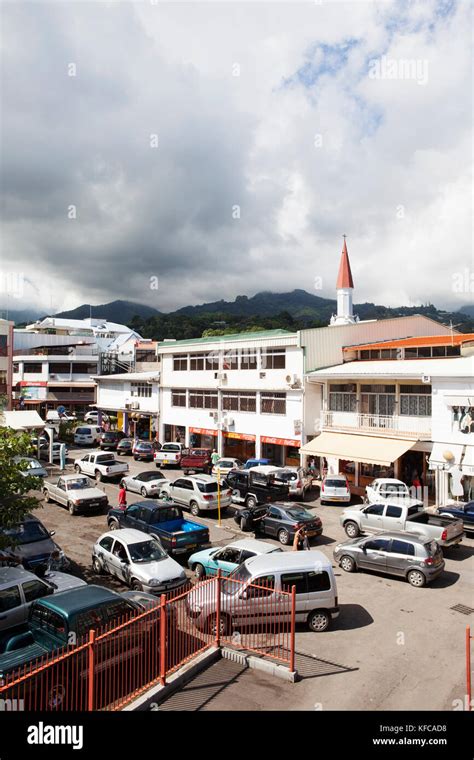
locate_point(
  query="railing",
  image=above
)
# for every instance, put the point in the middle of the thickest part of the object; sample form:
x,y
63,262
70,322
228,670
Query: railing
x,y
394,425
109,668
74,395
57,352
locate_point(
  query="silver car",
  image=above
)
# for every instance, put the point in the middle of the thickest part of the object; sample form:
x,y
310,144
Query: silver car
x,y
148,483
198,493
138,560
19,588
417,559
335,489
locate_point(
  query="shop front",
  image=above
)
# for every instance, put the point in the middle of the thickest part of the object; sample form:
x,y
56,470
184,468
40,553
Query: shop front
x,y
452,466
202,438
239,445
174,434
281,451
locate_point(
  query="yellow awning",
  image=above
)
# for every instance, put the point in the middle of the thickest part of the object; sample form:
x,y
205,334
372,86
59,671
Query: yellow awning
x,y
368,449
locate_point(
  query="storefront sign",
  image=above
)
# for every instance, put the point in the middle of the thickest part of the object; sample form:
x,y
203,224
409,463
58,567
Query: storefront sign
x,y
281,441
202,431
34,391
241,436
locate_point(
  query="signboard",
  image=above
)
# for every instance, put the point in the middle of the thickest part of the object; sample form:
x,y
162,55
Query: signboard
x,y
34,392
281,441
241,436
202,431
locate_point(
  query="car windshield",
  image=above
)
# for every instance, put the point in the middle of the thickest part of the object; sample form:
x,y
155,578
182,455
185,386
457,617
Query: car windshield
x,y
28,532
77,484
234,582
299,513
207,487
286,475
146,551
109,436
32,464
147,476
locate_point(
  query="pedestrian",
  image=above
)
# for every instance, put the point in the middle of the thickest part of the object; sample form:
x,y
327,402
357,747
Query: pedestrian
x,y
306,545
122,497
214,457
298,538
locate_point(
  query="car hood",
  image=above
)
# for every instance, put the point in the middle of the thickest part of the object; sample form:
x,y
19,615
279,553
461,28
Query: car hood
x,y
86,493
63,581
35,549
165,570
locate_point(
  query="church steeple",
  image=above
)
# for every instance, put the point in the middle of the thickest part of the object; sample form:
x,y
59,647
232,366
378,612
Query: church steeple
x,y
345,287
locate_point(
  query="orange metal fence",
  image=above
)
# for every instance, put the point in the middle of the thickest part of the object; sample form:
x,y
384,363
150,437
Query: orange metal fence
x,y
468,669
112,666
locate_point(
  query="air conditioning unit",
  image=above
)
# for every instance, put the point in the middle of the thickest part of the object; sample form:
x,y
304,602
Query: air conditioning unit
x,y
128,406
221,375
263,374
135,405
228,421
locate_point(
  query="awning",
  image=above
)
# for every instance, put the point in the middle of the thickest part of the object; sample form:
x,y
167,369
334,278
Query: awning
x,y
445,454
368,449
463,400
23,420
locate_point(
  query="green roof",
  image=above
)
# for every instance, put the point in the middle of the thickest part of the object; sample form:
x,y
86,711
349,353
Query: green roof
x,y
79,599
228,337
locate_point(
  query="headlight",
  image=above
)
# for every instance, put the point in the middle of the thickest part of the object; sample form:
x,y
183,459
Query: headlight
x,y
155,582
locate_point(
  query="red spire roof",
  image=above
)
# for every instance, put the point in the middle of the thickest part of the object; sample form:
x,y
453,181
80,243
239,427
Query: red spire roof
x,y
344,278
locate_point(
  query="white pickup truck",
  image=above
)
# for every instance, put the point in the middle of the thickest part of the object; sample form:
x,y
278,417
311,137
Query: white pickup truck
x,y
75,492
387,489
170,454
101,465
401,515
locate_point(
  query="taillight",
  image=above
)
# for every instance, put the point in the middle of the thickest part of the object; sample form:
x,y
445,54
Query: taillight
x,y
322,486
444,534
299,484
429,561
173,539
208,497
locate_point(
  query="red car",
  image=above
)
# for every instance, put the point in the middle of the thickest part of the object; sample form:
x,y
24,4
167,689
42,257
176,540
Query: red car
x,y
196,460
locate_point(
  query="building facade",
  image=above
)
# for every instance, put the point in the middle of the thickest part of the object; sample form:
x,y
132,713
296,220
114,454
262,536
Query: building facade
x,y
6,363
134,397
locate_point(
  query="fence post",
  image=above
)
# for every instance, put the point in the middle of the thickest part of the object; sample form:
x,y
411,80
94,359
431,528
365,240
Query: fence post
x,y
91,669
468,667
292,629
163,639
218,609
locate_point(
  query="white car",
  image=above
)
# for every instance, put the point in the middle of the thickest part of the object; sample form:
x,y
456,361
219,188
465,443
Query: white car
x,y
94,416
87,435
147,483
225,465
138,560
198,493
382,489
335,489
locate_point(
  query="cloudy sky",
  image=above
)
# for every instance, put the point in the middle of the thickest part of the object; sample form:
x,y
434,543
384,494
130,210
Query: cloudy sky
x,y
224,148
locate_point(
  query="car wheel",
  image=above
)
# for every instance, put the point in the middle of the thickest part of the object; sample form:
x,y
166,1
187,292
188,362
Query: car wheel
x,y
97,566
77,468
114,525
347,564
416,578
251,502
71,507
318,621
186,472
136,585
284,537
46,496
352,529
199,571
98,475
194,508
224,625
143,491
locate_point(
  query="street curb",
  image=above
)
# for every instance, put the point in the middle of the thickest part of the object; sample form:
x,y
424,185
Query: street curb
x,y
258,663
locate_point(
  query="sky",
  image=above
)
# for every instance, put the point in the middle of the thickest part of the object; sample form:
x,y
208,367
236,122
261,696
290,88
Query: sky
x,y
178,153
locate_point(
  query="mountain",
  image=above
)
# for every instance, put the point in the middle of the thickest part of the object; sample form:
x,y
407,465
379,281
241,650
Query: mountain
x,y
19,317
469,310
115,311
298,303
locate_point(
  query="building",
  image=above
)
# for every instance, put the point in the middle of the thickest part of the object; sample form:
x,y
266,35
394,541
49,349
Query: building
x,y
6,363
93,327
241,394
134,397
344,290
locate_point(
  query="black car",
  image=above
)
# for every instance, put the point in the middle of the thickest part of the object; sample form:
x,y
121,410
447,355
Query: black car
x,y
125,446
32,544
253,488
111,439
460,510
279,521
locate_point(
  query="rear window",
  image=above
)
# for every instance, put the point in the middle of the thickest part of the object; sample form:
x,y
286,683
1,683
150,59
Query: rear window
x,y
105,459
319,581
171,447
48,620
431,548
340,483
207,487
199,453
286,476
83,431
109,436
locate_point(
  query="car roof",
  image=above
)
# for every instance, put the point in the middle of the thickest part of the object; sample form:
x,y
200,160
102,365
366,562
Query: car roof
x,y
389,480
72,477
288,561
251,544
128,535
403,535
82,597
156,473
202,478
12,574
339,476
265,469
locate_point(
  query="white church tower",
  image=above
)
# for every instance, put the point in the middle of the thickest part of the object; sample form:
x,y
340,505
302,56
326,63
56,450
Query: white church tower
x,y
345,287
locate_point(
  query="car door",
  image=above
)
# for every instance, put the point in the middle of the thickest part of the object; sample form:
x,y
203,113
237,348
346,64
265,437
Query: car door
x,y
130,517
13,610
134,484
256,602
61,492
273,521
85,464
392,518
104,551
374,554
179,490
372,517
228,560
399,554
119,561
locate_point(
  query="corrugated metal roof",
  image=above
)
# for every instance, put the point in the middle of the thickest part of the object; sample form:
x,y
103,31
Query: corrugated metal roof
x,y
414,342
219,339
450,367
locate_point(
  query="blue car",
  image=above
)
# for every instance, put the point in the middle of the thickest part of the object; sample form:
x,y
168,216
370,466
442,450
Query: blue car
x,y
464,511
206,563
255,463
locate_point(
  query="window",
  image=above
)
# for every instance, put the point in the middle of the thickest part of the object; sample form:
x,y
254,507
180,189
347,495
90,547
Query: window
x,y
273,403
318,581
34,590
83,368
375,509
261,587
141,389
106,543
120,550
9,598
248,359
273,358
342,402
231,359
274,512
239,402
31,368
415,400
87,620
16,367
197,361
212,361
180,362
393,511
378,544
402,547
48,620
182,483
117,609
60,368
288,580
178,398
133,512
203,399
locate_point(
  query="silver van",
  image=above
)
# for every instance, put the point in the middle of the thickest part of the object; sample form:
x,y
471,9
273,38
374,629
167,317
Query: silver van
x,y
248,593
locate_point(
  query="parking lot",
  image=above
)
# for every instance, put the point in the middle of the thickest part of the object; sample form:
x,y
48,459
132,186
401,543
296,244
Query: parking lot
x,y
393,646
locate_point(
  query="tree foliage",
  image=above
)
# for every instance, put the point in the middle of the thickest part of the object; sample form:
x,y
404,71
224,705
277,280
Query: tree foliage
x,y
15,501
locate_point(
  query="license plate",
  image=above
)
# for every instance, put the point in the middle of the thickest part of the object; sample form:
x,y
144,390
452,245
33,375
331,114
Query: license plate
x,y
165,461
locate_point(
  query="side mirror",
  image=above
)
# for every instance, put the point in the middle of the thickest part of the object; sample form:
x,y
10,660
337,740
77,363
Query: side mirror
x,y
244,595
125,561
364,549
52,532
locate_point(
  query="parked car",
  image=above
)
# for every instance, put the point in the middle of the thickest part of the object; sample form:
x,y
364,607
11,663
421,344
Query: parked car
x,y
93,416
31,466
243,603
100,464
461,511
386,489
335,489
143,451
197,460
170,454
77,493
227,558
280,521
401,515
251,488
255,463
138,560
110,439
408,555
32,543
125,446
198,493
53,416
44,451
163,521
19,588
87,435
298,480
226,465
146,483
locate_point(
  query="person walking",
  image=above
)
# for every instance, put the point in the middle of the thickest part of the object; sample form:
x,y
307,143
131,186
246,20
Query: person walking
x,y
298,539
122,498
214,457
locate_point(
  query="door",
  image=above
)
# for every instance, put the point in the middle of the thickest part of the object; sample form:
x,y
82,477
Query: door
x,y
61,493
255,603
119,561
13,611
224,560
392,518
85,464
104,552
180,491
131,517
374,554
372,517
238,483
398,555
272,522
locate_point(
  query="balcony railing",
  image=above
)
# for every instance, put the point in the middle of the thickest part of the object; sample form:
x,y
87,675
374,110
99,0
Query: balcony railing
x,y
74,395
374,424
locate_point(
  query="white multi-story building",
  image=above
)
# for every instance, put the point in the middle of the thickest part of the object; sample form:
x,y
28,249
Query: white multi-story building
x,y
240,394
135,398
6,355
